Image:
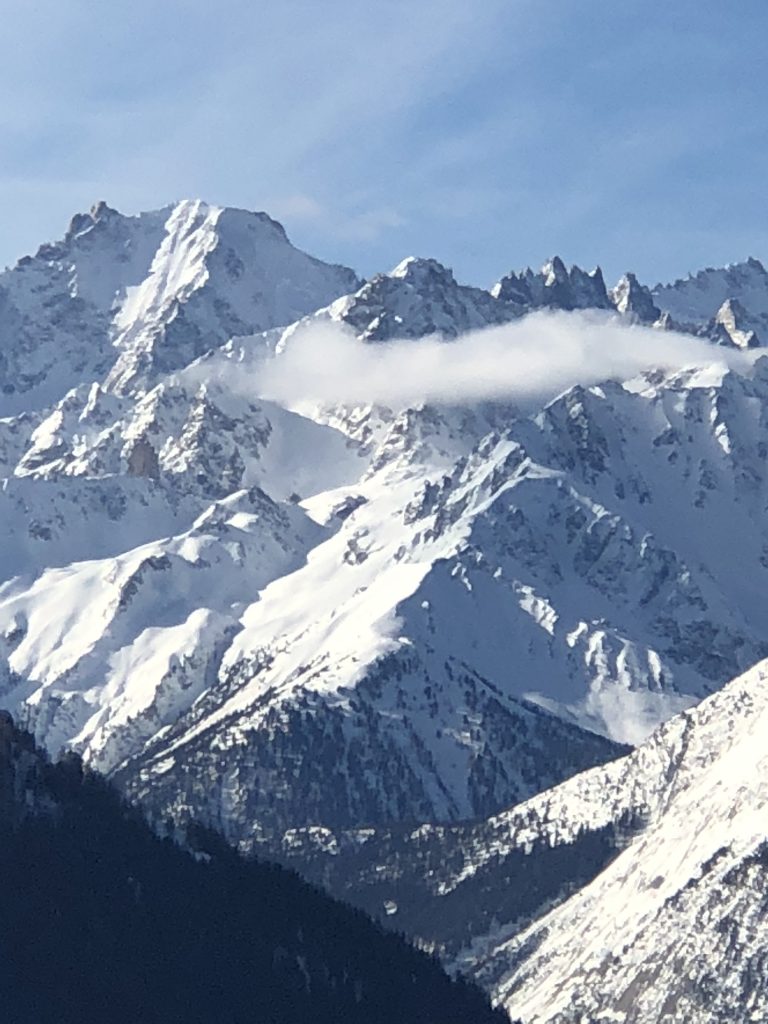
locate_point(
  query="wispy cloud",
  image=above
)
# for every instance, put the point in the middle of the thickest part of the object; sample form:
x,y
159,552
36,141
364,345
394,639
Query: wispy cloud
x,y
535,358
144,103
360,225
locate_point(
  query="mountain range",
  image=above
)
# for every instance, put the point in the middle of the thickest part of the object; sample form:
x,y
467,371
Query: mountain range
x,y
395,642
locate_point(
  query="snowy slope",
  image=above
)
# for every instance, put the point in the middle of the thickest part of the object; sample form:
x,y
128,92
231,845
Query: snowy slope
x,y
675,926
127,643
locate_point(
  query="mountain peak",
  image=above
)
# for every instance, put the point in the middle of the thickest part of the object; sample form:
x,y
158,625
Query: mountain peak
x,y
554,271
101,209
125,298
417,268
696,299
251,220
553,287
82,222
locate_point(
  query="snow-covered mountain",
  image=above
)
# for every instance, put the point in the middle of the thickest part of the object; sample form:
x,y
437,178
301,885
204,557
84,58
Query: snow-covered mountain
x,y
450,608
127,299
587,571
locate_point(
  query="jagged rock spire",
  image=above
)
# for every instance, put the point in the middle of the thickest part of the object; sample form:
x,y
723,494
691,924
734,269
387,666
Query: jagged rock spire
x,y
553,287
733,325
633,299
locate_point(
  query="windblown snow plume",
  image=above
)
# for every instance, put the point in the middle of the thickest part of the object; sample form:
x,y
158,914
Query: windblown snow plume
x,y
535,358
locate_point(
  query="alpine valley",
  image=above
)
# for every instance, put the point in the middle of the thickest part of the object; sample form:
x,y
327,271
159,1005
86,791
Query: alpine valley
x,y
466,663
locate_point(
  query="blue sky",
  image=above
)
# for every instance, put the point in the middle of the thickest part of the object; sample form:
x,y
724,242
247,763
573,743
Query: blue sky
x,y
489,135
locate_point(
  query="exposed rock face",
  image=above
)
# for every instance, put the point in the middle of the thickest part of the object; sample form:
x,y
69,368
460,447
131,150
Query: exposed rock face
x,y
554,287
142,460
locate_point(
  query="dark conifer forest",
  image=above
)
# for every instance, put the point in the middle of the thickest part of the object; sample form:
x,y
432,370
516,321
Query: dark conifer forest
x,y
103,921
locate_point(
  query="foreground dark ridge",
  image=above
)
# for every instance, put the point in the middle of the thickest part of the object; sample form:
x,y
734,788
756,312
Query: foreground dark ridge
x,y
102,920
